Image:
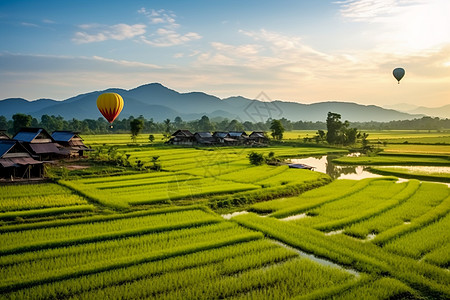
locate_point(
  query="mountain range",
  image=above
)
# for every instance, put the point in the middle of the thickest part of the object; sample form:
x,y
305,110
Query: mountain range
x,y
441,112
159,102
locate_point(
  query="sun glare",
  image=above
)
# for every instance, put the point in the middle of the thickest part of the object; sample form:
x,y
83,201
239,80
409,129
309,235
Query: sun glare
x,y
424,27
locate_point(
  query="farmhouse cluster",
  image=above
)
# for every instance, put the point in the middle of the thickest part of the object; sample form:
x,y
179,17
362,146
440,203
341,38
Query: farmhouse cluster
x,y
23,156
231,138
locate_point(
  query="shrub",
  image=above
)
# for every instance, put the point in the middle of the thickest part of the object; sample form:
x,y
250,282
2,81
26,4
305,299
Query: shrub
x,y
255,158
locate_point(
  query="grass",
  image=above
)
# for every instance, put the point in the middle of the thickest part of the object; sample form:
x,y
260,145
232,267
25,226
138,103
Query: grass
x,y
426,198
418,149
141,237
430,174
365,257
394,160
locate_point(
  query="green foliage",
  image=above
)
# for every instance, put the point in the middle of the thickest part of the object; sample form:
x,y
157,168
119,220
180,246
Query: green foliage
x,y
407,172
338,132
277,129
327,194
105,230
190,252
423,241
428,196
366,257
46,212
136,126
151,138
20,121
245,198
418,160
111,255
255,158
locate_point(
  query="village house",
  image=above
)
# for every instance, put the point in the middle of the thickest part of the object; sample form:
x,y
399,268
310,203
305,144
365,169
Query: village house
x,y
182,137
232,138
16,162
3,135
71,141
40,144
204,138
223,138
258,137
240,136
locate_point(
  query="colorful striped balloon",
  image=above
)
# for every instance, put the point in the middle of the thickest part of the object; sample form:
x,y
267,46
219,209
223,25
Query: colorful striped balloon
x,y
110,105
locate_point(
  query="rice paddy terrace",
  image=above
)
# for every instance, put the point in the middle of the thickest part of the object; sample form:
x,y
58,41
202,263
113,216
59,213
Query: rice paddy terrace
x,y
160,235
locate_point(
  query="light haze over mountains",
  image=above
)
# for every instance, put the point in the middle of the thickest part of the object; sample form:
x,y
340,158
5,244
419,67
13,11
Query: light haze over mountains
x,y
159,102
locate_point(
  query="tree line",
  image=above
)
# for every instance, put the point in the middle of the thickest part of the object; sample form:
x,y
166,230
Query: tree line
x,y
124,125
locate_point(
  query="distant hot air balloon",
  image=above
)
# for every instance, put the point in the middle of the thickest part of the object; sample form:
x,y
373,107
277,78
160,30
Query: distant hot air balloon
x,y
398,74
110,105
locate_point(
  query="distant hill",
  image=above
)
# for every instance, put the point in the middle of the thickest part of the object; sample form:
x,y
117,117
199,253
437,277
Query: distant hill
x,y
441,112
159,102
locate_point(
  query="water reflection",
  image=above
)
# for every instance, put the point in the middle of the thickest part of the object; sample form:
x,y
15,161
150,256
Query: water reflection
x,y
324,164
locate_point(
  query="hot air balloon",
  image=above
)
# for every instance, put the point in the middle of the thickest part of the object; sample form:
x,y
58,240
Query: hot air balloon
x,y
110,105
398,74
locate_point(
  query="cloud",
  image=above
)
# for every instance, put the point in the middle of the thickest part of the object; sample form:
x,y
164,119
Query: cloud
x,y
165,29
404,26
369,10
161,16
29,24
166,38
98,33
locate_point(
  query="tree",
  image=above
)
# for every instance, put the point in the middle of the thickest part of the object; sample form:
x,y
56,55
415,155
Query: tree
x,y
321,135
151,138
168,126
277,129
136,127
334,125
178,123
20,121
364,140
338,132
3,123
204,124
255,158
235,125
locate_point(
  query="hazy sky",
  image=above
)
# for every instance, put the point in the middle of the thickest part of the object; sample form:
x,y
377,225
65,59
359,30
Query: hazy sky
x,y
305,51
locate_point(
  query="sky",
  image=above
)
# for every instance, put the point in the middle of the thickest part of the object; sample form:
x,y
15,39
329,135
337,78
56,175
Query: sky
x,y
299,50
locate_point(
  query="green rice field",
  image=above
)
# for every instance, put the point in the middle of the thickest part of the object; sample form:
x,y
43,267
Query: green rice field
x,y
209,225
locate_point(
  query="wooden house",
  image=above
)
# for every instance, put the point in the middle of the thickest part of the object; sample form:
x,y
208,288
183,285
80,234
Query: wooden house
x,y
204,138
70,141
40,144
222,137
258,137
239,136
16,162
182,137
3,135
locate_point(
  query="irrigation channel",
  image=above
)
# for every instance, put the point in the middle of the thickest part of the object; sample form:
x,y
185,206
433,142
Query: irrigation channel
x,y
325,165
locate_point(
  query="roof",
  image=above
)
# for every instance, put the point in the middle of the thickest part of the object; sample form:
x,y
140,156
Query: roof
x,y
3,135
258,134
45,148
29,134
5,146
204,134
220,134
183,132
237,133
63,136
18,161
